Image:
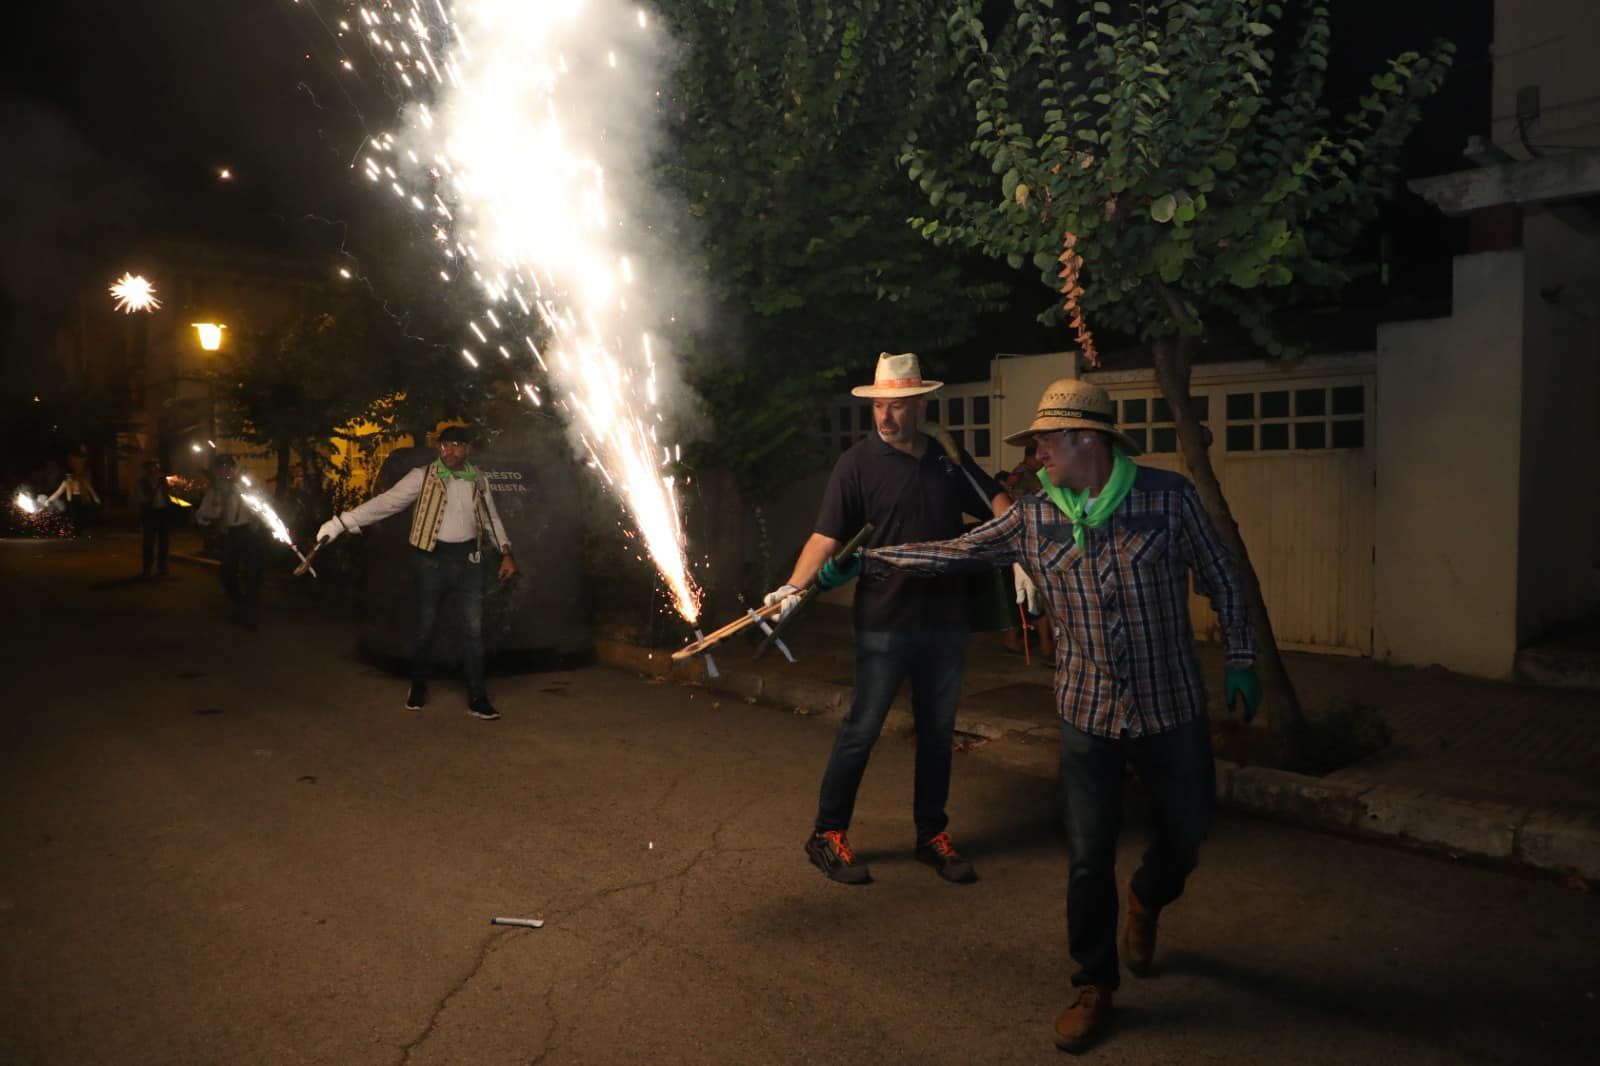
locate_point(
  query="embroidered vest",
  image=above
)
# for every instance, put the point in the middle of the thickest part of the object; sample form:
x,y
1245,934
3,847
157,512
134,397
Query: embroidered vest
x,y
428,515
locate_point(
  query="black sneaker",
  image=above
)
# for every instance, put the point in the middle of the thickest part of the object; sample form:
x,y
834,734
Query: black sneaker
x,y
480,707
938,852
830,852
417,698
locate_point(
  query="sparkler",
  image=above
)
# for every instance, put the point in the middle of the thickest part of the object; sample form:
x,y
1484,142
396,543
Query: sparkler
x,y
513,184
25,503
269,518
134,293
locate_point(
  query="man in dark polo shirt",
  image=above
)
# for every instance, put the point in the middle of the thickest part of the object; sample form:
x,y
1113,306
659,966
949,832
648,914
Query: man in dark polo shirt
x,y
909,488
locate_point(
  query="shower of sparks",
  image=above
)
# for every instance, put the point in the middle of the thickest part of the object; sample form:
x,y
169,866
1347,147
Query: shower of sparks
x,y
25,503
134,293
268,516
502,165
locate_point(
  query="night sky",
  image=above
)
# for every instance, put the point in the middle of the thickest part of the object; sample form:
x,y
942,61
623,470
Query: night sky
x,y
118,116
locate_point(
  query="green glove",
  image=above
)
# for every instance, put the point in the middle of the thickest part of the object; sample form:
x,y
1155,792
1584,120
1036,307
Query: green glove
x,y
834,574
1245,685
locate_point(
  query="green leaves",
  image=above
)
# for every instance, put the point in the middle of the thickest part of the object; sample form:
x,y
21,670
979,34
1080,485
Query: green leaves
x,y
1185,144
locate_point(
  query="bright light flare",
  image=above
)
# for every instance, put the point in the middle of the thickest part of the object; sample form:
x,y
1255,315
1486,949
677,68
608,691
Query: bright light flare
x,y
268,516
513,128
210,334
25,503
134,293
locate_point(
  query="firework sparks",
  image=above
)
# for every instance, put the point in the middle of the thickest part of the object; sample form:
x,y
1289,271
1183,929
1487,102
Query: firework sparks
x,y
134,293
268,516
511,179
25,502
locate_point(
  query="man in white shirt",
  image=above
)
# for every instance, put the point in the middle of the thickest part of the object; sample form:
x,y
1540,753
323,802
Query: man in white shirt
x,y
241,539
453,515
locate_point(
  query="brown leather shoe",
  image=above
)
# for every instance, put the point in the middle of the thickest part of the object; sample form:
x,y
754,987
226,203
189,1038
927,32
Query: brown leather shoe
x,y
1139,936
1085,1019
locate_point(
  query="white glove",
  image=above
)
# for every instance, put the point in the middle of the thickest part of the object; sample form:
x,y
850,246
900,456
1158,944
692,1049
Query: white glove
x,y
788,595
331,529
1027,592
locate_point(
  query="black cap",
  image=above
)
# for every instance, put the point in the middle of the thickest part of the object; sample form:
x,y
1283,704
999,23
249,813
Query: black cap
x,y
456,435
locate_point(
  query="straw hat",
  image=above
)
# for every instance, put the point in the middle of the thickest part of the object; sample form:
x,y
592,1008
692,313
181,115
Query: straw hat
x,y
1073,404
898,375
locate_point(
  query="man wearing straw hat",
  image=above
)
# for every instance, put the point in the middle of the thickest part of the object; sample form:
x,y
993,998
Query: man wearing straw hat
x,y
909,488
1111,546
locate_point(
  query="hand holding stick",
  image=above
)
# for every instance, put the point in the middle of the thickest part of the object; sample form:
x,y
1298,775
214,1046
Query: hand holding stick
x,y
840,558
771,610
305,560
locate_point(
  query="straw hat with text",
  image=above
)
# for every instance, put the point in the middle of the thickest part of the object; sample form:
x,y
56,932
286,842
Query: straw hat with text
x,y
1073,404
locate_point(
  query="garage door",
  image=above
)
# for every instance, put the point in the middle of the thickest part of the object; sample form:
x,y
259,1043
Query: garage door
x,y
1295,459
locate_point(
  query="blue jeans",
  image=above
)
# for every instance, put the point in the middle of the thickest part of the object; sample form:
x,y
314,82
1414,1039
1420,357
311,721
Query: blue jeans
x,y
447,571
934,659
1176,768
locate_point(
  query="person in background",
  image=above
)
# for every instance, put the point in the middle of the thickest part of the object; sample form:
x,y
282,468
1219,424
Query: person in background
x,y
243,542
155,513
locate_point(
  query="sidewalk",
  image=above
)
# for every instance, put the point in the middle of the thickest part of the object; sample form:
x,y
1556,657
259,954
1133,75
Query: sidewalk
x,y
1494,770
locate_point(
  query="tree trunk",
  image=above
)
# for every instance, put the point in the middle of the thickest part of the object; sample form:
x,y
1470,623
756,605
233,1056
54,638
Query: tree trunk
x,y
721,542
1279,698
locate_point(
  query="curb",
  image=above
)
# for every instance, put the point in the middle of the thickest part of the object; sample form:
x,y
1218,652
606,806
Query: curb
x,y
1547,840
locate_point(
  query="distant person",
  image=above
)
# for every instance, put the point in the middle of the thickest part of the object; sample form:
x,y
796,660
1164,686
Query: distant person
x,y
454,514
1025,475
243,542
1112,547
76,495
155,513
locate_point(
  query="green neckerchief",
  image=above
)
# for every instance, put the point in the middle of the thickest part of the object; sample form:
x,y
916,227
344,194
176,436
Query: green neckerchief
x,y
468,472
1111,496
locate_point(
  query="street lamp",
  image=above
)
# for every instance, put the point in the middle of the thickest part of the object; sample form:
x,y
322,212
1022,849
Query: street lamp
x,y
210,340
210,334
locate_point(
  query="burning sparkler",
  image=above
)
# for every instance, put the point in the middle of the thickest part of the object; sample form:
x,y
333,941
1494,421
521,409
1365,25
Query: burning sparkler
x,y
25,502
515,191
134,293
269,518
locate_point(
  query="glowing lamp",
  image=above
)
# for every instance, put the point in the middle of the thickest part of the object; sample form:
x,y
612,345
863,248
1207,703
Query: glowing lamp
x,y
210,334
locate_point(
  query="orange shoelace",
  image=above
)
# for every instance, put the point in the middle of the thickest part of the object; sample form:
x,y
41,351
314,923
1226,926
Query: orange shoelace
x,y
840,845
940,842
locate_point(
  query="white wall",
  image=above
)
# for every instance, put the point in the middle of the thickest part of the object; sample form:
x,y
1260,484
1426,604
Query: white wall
x,y
1554,44
1449,426
1019,382
1561,443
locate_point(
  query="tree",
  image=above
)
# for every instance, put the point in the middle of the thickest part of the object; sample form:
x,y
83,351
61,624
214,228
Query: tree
x,y
290,390
1167,170
783,125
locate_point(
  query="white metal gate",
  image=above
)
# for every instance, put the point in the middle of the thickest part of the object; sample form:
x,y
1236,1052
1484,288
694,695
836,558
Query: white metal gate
x,y
1295,457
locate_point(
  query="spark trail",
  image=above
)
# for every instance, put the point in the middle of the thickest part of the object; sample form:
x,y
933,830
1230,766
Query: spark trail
x,y
502,154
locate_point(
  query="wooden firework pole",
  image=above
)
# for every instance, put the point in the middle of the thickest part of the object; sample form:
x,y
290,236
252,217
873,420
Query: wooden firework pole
x,y
771,610
844,553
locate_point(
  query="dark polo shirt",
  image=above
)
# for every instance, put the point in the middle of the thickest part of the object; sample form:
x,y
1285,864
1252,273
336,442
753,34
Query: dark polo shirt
x,y
907,500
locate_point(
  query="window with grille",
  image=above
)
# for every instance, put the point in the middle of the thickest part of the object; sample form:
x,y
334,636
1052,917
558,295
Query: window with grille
x,y
1148,420
1312,418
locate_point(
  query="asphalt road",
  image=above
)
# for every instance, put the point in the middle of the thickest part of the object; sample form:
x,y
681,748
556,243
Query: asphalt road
x,y
223,847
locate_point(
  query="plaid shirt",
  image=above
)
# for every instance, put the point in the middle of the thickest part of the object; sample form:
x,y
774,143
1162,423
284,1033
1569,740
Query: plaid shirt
x,y
1127,665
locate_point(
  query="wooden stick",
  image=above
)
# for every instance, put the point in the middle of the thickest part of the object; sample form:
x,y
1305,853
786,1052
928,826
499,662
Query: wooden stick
x,y
305,560
843,554
717,636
